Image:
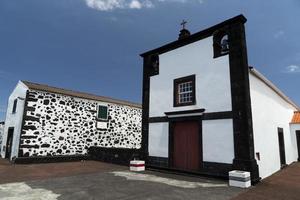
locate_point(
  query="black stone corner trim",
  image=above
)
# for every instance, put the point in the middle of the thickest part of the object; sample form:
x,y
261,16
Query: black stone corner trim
x,y
185,112
195,37
20,153
241,102
145,105
50,159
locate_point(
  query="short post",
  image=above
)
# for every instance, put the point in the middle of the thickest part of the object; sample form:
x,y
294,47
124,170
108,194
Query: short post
x,y
137,165
240,179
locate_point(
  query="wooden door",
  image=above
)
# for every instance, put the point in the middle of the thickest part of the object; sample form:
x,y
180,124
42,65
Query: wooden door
x,y
186,146
298,143
9,142
281,147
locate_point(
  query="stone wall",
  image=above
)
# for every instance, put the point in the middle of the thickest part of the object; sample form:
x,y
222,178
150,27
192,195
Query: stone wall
x,y
55,124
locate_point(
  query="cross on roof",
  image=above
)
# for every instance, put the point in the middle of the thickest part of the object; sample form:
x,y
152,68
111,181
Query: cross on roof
x,y
183,23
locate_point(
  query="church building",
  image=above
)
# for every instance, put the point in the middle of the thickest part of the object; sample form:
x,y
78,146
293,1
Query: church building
x,y
45,124
205,111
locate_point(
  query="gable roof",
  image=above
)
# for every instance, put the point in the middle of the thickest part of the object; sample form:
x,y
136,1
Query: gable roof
x,y
296,118
261,77
195,37
47,88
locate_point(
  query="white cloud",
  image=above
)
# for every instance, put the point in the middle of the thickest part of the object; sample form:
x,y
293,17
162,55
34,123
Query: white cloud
x,y
109,5
293,69
134,4
105,4
279,34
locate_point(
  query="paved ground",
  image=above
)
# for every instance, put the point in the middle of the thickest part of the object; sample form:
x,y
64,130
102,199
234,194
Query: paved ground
x,y
15,173
96,180
284,185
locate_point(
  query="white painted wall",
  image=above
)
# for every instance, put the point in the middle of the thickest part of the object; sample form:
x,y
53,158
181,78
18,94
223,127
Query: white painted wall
x,y
159,139
218,144
212,79
14,119
270,111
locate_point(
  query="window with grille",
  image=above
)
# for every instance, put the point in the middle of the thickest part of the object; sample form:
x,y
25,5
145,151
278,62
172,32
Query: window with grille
x,y
184,91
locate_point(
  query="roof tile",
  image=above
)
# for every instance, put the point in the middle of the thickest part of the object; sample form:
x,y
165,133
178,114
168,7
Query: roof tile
x,y
296,118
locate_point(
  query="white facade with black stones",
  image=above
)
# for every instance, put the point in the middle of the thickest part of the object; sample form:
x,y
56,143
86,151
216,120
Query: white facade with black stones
x,y
51,124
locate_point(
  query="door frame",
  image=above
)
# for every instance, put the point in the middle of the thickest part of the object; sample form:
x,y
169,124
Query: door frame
x,y
172,121
297,132
10,136
281,144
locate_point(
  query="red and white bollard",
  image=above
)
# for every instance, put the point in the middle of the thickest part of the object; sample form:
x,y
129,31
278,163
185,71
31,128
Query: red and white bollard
x,y
137,165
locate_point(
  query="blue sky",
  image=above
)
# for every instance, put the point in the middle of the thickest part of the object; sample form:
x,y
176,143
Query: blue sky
x,y
94,45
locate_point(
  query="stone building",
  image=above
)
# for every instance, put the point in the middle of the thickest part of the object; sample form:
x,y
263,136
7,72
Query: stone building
x,y
47,123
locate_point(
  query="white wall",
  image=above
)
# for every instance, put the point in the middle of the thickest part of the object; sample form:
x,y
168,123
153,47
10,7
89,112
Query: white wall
x,y
14,119
159,139
212,79
270,111
218,144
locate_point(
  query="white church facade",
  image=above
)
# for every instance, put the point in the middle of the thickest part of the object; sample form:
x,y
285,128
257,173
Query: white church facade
x,y
46,124
205,111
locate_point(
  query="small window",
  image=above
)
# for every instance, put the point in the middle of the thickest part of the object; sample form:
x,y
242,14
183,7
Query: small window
x,y
102,112
184,91
15,106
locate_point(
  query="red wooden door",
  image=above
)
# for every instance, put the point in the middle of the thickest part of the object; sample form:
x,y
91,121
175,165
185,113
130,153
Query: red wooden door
x,y
186,145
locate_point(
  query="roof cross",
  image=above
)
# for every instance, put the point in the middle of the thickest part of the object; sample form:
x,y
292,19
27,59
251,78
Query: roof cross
x,y
183,23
